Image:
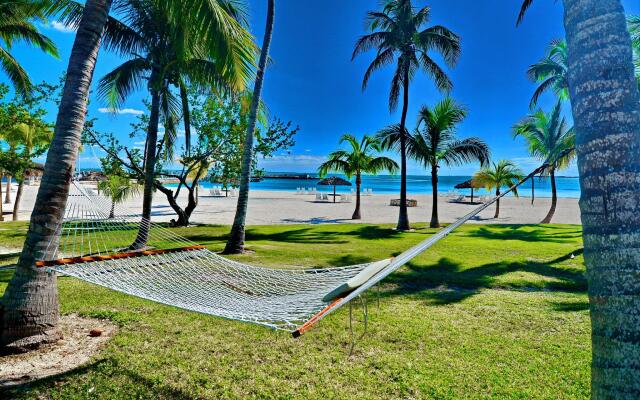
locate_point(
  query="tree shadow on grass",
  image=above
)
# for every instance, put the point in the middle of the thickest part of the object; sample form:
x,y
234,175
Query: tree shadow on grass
x,y
108,367
527,233
571,306
448,282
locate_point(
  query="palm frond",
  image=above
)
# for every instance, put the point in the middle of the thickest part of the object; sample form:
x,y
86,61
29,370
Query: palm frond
x,y
125,79
17,75
442,40
523,10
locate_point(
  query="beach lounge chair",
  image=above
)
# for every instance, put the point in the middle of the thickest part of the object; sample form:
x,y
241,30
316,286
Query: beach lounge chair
x,y
345,198
325,196
318,196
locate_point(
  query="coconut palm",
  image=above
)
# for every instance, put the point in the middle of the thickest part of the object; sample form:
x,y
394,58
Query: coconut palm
x,y
18,20
361,158
549,138
504,173
162,50
118,188
398,33
30,302
235,244
434,142
551,73
26,140
605,99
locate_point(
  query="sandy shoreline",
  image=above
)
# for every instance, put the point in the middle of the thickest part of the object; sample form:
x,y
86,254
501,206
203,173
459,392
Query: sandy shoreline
x,y
268,207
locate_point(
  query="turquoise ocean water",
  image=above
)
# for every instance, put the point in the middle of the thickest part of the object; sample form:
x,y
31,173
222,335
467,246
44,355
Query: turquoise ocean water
x,y
417,184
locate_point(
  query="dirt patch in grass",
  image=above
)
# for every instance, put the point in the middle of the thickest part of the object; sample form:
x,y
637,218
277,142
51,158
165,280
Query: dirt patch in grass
x,y
76,348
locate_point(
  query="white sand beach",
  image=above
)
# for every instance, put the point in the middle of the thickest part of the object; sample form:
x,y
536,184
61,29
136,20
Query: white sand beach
x,y
269,207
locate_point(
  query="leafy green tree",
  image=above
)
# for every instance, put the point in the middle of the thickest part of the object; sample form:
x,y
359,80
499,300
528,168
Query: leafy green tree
x,y
397,33
549,138
434,142
504,173
551,73
18,20
361,158
634,29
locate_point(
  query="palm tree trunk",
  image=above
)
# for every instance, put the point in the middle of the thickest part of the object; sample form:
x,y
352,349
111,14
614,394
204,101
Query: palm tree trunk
x,y
112,212
606,110
435,223
30,303
497,214
1,210
186,117
16,204
554,198
7,198
150,164
235,244
356,213
403,217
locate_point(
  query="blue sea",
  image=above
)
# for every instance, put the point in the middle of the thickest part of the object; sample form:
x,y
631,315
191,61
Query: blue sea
x,y
417,184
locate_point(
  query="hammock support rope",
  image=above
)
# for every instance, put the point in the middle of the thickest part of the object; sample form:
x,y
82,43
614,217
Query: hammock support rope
x,y
173,270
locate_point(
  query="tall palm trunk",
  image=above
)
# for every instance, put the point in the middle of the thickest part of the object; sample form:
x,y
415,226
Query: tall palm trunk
x,y
16,204
435,223
403,217
150,163
1,211
7,198
554,198
356,213
112,212
186,117
235,244
606,110
497,214
30,303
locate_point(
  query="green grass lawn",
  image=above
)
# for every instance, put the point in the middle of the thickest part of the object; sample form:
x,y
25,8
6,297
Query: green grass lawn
x,y
490,312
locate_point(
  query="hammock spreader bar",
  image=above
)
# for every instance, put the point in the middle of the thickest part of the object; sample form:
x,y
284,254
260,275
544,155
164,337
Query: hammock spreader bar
x,y
118,256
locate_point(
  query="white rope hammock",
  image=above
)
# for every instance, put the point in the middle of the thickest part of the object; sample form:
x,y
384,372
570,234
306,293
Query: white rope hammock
x,y
178,272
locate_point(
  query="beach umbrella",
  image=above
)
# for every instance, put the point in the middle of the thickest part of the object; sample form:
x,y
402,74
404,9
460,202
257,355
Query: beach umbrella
x,y
334,181
467,185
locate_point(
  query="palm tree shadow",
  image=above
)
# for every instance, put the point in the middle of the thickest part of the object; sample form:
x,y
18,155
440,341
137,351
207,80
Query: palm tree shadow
x,y
102,366
446,281
527,233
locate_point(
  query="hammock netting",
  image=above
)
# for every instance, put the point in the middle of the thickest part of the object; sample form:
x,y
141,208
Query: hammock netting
x,y
94,244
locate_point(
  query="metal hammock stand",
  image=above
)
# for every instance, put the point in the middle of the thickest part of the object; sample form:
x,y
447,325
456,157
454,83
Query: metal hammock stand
x,y
175,271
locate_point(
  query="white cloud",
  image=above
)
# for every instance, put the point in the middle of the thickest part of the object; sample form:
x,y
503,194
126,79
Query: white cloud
x,y
141,143
61,27
131,111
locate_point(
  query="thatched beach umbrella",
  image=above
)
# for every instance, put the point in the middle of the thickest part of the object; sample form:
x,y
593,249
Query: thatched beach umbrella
x,y
334,181
467,185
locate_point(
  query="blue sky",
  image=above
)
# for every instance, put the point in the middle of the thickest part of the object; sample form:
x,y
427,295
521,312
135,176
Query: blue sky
x,y
314,83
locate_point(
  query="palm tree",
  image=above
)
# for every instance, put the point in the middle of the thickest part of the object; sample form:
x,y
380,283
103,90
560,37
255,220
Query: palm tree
x,y
434,142
397,33
27,140
549,138
605,99
118,188
17,23
163,50
235,244
551,72
504,173
361,158
30,302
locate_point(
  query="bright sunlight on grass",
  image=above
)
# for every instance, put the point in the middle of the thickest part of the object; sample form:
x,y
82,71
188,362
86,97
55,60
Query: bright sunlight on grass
x,y
493,311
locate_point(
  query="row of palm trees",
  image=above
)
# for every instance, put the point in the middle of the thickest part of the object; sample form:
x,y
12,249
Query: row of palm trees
x,y
609,132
